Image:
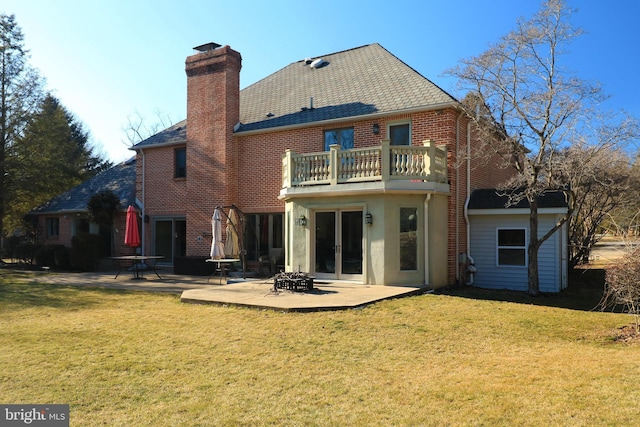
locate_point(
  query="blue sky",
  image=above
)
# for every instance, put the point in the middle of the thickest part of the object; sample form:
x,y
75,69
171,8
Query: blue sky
x,y
107,60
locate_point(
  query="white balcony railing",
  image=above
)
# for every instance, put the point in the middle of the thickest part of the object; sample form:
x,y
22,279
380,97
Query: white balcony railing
x,y
386,162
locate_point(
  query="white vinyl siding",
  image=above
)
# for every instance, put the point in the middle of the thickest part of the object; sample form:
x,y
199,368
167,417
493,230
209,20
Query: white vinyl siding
x,y
484,252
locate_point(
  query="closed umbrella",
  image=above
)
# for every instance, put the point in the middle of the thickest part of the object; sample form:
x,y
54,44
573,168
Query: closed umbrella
x,y
217,248
232,246
131,233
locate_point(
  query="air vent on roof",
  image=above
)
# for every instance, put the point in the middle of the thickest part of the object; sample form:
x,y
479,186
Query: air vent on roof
x,y
318,63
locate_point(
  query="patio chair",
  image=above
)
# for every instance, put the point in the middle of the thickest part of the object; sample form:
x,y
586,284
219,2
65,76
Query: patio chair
x,y
265,262
276,256
274,262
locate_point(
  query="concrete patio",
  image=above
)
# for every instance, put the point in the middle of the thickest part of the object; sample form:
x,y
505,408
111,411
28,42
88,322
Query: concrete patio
x,y
256,293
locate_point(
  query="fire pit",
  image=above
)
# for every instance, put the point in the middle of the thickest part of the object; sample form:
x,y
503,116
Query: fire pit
x,y
293,281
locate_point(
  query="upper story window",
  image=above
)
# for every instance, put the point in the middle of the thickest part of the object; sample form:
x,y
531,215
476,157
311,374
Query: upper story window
x,y
53,228
512,247
342,137
180,155
400,134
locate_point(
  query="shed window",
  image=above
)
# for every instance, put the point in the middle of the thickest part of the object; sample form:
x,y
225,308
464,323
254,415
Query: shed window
x,y
512,247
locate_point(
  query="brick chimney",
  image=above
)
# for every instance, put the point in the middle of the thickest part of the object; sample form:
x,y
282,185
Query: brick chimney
x,y
213,109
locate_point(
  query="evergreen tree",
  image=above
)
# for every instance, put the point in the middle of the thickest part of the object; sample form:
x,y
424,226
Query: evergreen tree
x,y
20,93
51,156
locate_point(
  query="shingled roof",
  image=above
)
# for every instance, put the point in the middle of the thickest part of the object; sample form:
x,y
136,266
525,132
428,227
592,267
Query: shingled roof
x,y
351,83
490,198
121,179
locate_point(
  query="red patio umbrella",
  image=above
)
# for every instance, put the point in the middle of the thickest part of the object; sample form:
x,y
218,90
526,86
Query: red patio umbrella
x,y
131,233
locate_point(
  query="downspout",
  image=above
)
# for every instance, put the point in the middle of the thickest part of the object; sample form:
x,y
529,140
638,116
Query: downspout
x,y
470,263
426,239
144,226
457,214
471,268
468,187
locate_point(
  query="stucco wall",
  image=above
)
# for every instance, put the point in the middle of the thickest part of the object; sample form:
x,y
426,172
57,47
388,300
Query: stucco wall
x,y
381,240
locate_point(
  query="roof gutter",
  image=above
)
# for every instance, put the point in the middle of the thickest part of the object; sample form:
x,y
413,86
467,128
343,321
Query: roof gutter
x,y
158,145
440,106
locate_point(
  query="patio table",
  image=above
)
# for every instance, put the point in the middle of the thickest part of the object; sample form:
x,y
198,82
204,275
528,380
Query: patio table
x,y
222,262
134,261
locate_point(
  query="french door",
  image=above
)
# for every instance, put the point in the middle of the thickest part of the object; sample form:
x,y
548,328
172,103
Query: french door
x,y
338,244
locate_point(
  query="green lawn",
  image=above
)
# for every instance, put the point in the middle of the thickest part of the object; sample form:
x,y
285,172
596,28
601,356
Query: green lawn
x,y
466,357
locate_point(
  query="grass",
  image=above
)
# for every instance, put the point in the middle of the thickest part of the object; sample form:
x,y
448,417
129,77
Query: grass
x,y
465,357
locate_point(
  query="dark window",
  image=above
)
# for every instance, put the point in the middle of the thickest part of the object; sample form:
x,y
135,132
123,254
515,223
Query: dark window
x,y
53,228
342,137
180,162
83,225
263,232
512,247
400,134
408,238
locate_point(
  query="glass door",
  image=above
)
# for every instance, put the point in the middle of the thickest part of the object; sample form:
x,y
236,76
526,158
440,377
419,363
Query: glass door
x,y
170,239
338,244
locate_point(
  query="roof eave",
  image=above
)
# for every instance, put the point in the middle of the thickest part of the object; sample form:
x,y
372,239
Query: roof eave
x,y
158,145
518,211
439,106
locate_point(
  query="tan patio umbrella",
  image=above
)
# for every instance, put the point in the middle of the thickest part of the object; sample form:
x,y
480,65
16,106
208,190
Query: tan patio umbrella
x,y
217,248
232,245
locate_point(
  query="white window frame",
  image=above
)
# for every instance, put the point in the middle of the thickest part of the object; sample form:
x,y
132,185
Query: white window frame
x,y
523,248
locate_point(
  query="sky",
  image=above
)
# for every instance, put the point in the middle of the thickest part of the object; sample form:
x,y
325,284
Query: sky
x,y
112,61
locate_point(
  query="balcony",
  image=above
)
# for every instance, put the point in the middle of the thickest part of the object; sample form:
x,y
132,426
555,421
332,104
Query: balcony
x,y
372,169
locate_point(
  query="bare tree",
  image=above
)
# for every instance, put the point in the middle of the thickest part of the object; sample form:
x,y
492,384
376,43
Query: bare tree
x,y
138,128
603,185
622,288
528,109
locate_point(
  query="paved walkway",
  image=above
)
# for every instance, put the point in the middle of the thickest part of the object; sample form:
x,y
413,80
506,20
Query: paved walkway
x,y
257,293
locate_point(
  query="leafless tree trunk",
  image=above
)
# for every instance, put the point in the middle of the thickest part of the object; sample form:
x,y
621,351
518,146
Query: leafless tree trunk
x,y
528,109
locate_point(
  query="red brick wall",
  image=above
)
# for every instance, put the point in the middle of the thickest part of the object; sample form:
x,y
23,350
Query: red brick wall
x,y
66,222
213,109
223,169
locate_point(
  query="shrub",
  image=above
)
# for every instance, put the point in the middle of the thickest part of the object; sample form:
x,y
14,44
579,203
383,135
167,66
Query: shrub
x,y
86,251
56,257
26,252
11,245
622,287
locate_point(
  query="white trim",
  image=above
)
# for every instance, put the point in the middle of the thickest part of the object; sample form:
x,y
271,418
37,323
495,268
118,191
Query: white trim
x,y
524,247
365,188
516,211
425,215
